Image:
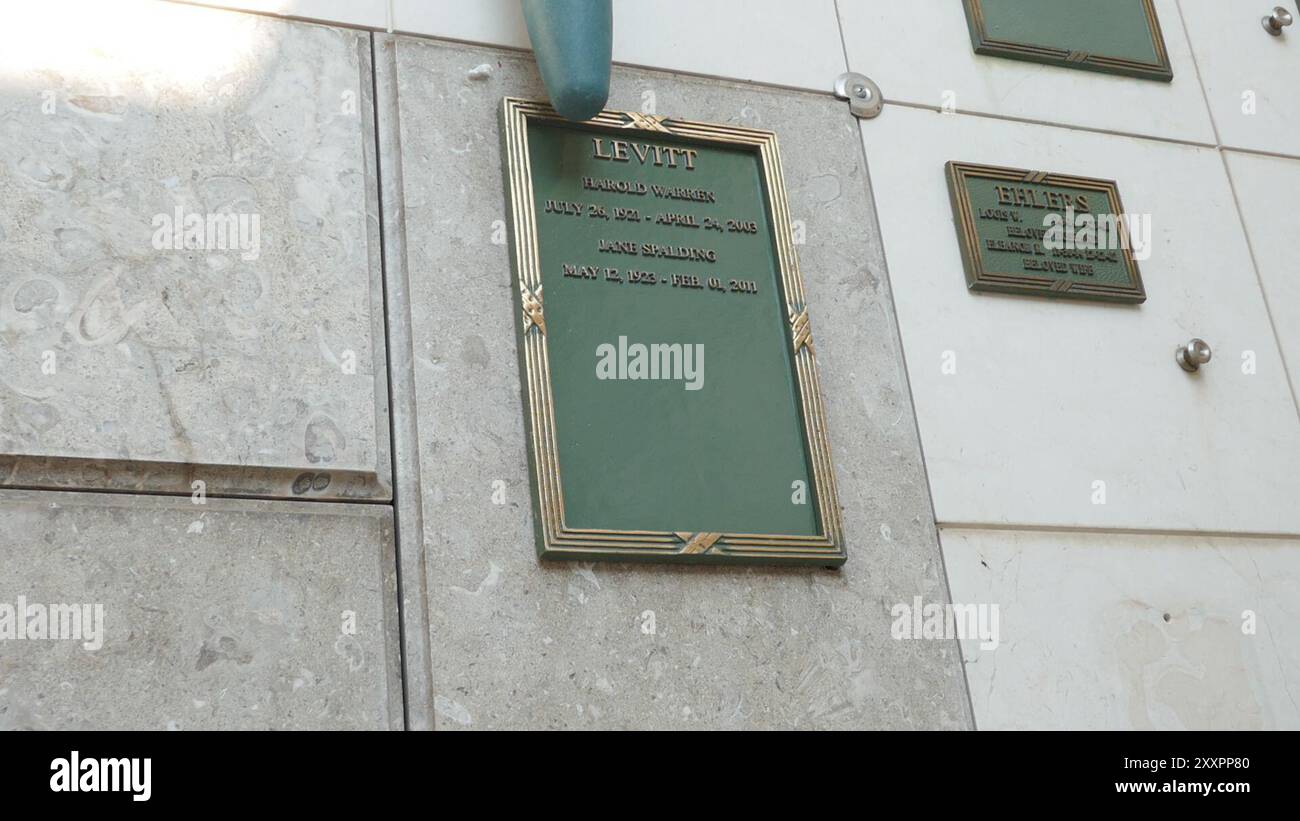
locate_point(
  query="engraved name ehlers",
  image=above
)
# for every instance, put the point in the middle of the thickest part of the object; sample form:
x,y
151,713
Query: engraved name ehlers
x,y
1033,198
1027,240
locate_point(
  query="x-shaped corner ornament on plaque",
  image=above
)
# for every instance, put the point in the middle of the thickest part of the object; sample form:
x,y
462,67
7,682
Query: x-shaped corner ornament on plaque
x,y
801,329
697,542
532,309
646,122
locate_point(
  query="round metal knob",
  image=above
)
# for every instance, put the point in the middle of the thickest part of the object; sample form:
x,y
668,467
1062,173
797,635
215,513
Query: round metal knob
x,y
1193,355
1278,20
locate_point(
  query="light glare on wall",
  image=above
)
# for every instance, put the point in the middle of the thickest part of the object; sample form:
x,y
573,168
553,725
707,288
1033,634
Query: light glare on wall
x,y
149,40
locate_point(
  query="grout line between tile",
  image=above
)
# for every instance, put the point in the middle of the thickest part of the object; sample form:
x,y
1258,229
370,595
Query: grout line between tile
x,y
905,377
1259,280
391,28
1200,81
1118,531
1047,124
408,516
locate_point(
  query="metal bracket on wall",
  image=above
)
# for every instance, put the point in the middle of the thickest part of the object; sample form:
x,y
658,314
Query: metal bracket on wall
x,y
865,100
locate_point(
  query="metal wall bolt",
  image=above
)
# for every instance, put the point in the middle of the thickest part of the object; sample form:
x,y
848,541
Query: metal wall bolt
x,y
1278,20
1193,355
865,99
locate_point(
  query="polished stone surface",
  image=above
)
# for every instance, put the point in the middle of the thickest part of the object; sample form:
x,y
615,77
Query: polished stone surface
x,y
137,353
920,54
517,643
1264,187
1103,631
1062,413
225,615
762,41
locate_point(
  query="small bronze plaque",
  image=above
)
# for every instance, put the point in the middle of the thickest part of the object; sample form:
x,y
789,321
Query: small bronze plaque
x,y
1030,232
1110,36
672,397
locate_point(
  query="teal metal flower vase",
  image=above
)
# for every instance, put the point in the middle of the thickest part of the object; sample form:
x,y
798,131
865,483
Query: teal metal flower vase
x,y
574,44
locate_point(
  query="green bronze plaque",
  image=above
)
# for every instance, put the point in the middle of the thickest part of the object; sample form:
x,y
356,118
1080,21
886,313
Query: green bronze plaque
x,y
1030,232
671,390
1110,36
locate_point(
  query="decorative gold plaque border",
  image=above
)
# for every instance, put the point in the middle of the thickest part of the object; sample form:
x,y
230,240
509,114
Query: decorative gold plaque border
x,y
556,539
978,278
1159,70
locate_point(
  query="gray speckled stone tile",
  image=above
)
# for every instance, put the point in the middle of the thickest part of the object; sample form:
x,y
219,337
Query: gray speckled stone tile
x,y
228,615
126,363
516,643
